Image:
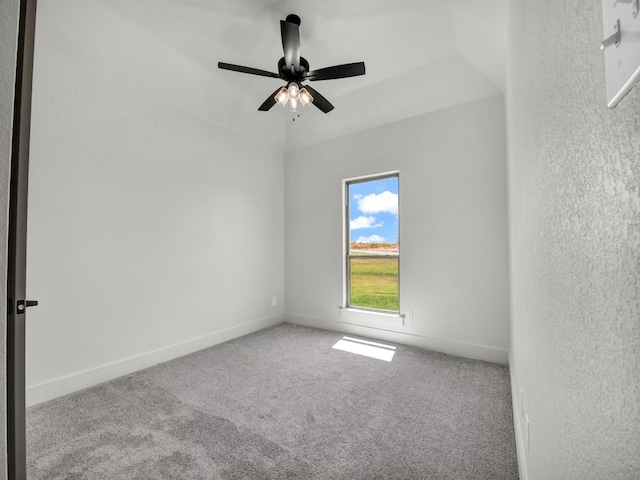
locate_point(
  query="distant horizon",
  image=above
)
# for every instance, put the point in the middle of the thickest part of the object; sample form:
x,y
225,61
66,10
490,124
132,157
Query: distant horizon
x,y
375,243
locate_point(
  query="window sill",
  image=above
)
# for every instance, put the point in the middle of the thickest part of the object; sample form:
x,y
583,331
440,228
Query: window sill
x,y
369,318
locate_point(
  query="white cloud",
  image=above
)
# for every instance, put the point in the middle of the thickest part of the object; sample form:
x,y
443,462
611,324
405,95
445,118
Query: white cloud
x,y
357,196
382,202
371,239
363,222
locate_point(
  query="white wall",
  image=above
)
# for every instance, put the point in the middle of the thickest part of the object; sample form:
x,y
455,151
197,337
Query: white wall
x,y
8,46
153,231
453,228
575,247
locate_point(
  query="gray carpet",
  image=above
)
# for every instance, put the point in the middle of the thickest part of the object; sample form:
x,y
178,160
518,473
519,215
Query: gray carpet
x,y
283,404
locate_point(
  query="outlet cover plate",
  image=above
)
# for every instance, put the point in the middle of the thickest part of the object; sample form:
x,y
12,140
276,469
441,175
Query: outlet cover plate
x,y
408,316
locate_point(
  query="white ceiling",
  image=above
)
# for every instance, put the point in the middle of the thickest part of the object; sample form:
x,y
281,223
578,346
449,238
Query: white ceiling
x,y
420,55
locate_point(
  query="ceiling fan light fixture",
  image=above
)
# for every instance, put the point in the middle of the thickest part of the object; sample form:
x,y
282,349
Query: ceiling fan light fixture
x,y
305,97
294,69
282,96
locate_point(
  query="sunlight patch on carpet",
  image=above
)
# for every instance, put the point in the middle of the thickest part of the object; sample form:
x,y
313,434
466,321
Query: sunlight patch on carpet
x,y
375,350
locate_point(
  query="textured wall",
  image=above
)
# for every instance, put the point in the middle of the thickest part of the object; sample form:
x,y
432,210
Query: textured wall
x,y
574,179
8,42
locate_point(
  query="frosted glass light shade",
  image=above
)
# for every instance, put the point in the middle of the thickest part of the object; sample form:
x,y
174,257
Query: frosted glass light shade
x,y
293,91
305,97
282,96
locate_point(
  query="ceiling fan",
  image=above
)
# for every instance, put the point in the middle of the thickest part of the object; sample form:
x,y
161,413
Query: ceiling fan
x,y
294,69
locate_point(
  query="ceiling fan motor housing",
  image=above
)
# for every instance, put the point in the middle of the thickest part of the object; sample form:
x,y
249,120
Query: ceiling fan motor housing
x,y
286,74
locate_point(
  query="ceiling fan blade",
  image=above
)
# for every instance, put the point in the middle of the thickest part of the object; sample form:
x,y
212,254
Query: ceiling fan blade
x,y
290,44
337,71
269,102
241,69
319,101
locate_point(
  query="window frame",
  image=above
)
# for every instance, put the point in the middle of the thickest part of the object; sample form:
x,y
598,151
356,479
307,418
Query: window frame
x,y
347,242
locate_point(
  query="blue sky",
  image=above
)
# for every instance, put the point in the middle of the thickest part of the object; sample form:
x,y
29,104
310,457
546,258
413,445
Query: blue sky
x,y
373,211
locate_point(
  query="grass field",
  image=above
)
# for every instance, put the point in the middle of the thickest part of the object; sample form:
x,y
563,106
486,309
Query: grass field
x,y
374,283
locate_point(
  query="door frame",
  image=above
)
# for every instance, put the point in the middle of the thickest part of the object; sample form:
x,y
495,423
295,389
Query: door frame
x,y
17,244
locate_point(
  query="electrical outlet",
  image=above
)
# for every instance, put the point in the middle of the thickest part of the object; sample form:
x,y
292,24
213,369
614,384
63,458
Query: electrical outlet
x,y
274,301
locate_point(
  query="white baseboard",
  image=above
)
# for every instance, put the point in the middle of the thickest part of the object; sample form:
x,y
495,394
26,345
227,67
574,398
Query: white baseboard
x,y
87,378
467,350
517,421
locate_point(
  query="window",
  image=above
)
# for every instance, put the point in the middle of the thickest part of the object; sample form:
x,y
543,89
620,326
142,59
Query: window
x,y
372,260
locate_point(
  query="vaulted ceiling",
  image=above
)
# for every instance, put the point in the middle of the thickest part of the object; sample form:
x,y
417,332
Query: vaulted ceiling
x,y
420,55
